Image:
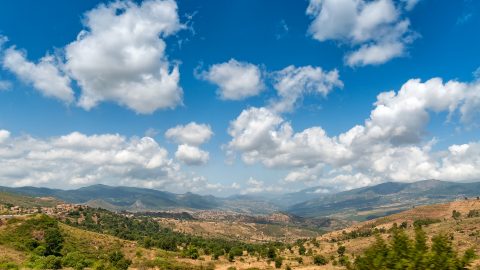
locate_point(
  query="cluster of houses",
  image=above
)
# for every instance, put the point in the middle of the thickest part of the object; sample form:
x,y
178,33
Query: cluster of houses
x,y
60,209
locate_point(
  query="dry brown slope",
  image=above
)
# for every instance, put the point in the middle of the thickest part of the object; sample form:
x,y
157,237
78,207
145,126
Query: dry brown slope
x,y
465,231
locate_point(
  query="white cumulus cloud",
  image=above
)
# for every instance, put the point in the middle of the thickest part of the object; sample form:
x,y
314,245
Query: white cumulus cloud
x,y
45,76
120,56
390,145
189,137
77,159
293,82
191,155
377,30
235,80
192,134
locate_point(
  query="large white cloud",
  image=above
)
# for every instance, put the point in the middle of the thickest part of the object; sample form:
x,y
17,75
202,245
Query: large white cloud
x,y
235,80
376,29
293,82
191,155
390,145
189,137
45,76
77,159
120,56
191,133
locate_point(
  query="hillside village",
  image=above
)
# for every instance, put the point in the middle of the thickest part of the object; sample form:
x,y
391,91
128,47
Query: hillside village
x,y
58,210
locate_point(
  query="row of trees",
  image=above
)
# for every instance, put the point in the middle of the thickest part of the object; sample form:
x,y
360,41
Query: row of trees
x,y
404,253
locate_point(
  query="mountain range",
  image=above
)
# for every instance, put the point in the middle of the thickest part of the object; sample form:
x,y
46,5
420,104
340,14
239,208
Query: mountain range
x,y
383,199
357,204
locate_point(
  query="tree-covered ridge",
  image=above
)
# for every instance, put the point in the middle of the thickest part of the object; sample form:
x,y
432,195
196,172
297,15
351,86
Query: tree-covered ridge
x,y
404,253
150,234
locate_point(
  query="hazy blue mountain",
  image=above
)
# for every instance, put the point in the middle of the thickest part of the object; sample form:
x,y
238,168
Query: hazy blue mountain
x,y
303,195
383,199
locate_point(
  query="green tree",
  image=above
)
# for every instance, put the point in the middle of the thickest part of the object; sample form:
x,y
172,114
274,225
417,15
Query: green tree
x,y
419,259
400,253
271,253
118,260
442,255
191,252
76,260
53,241
456,214
375,257
301,250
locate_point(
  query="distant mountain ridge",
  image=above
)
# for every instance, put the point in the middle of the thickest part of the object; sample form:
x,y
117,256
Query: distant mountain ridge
x,y
123,198
383,199
357,204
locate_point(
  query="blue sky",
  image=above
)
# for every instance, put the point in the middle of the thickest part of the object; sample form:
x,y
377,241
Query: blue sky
x,y
233,82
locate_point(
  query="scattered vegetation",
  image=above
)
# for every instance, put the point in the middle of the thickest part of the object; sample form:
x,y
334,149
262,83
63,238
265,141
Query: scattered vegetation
x,y
363,232
150,233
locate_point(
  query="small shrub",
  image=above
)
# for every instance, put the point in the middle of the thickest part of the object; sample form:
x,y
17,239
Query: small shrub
x,y
278,262
320,260
456,214
301,250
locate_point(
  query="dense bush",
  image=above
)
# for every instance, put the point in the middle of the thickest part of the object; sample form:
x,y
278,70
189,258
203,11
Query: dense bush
x,y
425,222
